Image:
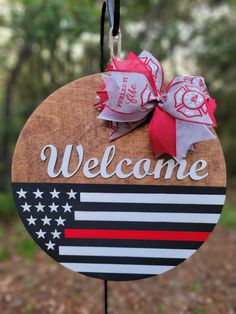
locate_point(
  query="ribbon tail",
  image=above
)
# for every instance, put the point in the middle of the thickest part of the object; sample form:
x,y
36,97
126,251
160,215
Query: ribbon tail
x,y
211,106
120,129
188,134
162,133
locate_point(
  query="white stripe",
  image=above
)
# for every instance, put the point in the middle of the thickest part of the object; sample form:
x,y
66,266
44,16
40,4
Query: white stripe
x,y
146,217
125,252
199,199
117,269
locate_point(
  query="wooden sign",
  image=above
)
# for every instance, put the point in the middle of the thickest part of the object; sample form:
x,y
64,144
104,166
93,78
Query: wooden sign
x,y
111,210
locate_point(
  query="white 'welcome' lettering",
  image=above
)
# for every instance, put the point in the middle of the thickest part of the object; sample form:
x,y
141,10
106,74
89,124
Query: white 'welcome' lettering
x,y
124,169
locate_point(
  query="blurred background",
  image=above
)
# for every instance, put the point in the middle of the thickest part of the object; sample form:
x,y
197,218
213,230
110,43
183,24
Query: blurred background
x,y
46,44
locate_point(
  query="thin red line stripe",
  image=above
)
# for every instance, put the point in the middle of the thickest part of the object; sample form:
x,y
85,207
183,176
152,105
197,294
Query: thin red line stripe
x,y
136,235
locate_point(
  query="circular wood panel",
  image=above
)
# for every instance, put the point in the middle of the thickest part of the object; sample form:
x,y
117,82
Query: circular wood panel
x,y
106,226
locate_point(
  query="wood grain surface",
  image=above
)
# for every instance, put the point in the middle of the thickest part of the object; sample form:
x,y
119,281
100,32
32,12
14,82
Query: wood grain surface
x,y
69,117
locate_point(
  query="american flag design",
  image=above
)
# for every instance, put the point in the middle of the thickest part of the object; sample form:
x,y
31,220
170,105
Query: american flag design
x,y
118,232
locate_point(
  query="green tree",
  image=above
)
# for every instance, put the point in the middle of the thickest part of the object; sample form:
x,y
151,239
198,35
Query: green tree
x,y
53,42
43,37
216,60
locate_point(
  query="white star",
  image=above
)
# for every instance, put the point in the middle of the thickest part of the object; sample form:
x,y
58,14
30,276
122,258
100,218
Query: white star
x,y
31,220
46,220
54,207
60,221
26,207
41,234
38,194
21,193
72,194
55,193
40,207
56,234
50,245
67,208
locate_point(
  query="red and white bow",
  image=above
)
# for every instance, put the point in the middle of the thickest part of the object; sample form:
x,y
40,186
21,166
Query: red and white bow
x,y
182,114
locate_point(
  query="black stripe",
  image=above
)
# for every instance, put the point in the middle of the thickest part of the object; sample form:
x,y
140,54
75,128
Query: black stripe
x,y
122,225
129,207
117,277
192,245
123,188
121,260
112,188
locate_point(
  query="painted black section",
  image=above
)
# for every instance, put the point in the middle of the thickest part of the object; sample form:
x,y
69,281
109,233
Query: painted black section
x,y
76,205
162,226
118,277
121,260
124,188
190,245
170,208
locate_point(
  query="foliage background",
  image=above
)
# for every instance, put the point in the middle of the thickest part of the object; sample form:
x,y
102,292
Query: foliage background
x,y
46,44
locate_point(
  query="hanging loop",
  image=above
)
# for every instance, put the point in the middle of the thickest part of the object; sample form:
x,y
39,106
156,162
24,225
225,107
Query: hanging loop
x,y
115,45
114,34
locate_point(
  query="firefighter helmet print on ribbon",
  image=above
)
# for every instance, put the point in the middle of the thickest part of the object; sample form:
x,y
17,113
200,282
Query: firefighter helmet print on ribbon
x,y
111,210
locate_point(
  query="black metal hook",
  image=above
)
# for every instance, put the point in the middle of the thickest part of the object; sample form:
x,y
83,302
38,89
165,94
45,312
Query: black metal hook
x,y
114,19
110,12
114,16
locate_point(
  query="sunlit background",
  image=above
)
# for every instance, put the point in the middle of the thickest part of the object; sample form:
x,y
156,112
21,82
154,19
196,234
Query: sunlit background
x,y
46,44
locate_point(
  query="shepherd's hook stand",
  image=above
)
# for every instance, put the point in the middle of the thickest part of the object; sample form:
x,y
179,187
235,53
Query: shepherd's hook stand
x,y
114,41
114,34
105,297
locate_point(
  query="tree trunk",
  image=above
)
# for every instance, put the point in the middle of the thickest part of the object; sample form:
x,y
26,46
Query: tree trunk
x,y
5,139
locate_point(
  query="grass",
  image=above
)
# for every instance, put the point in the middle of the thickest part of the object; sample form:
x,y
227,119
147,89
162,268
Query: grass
x,y
161,308
29,309
3,254
27,248
196,286
228,217
7,206
25,245
15,240
199,310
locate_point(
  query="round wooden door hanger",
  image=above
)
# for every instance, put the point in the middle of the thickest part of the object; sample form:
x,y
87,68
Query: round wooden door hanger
x,y
111,210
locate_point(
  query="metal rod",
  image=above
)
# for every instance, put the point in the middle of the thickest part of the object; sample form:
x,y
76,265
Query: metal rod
x,y
110,12
105,297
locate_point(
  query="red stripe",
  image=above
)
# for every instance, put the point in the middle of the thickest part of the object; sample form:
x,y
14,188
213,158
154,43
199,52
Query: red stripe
x,y
136,235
